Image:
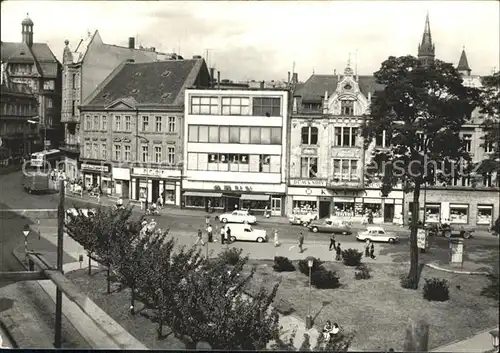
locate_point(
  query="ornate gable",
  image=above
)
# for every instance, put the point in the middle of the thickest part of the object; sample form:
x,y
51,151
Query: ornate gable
x,y
121,104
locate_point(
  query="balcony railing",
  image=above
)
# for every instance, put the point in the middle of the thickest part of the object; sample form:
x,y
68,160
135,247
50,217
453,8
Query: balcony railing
x,y
70,147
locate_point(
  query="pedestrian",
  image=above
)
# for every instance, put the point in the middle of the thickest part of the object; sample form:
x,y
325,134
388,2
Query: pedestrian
x,y
372,251
199,238
159,202
276,239
210,234
339,253
332,242
228,234
222,234
367,248
301,242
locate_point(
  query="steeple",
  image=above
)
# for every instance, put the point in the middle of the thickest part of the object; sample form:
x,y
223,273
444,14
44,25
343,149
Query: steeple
x,y
426,49
27,31
463,65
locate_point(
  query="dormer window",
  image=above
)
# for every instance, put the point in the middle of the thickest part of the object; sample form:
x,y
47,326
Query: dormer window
x,y
347,107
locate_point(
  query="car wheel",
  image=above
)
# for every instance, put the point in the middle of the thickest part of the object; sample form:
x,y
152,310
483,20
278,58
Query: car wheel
x,y
466,235
344,233
224,220
305,224
29,191
447,234
315,229
233,239
392,241
260,240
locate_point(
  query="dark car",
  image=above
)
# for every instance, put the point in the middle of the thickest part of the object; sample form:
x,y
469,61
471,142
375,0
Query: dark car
x,y
328,226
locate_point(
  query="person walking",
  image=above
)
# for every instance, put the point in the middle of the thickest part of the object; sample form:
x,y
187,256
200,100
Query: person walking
x,y
367,248
332,242
199,238
222,234
210,234
159,202
276,239
228,234
372,251
301,242
339,253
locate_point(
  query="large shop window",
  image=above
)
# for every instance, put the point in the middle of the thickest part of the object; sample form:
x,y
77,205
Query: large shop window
x,y
255,202
195,201
304,207
485,214
459,214
432,212
374,208
343,208
266,106
169,194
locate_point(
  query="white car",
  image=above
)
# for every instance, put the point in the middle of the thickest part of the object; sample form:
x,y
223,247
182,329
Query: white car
x,y
377,234
247,233
238,217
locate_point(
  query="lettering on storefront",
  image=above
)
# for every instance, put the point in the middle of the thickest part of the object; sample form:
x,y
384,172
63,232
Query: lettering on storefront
x,y
308,182
95,168
158,173
232,188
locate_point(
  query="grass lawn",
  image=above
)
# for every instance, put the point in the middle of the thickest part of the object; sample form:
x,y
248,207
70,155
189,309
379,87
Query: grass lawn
x,y
378,309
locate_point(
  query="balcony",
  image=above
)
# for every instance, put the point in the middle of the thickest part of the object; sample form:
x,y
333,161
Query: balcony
x,y
69,147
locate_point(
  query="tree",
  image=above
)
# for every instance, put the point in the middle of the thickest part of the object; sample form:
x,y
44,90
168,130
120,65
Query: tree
x,y
421,111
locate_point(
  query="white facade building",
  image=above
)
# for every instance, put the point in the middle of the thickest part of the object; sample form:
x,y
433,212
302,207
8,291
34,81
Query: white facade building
x,y
235,153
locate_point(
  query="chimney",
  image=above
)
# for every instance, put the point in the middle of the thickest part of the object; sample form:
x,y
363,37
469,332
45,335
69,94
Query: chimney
x,y
218,79
212,78
131,42
288,76
262,84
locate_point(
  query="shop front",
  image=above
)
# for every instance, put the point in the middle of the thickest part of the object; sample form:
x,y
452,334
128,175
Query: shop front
x,y
121,179
225,197
154,183
97,174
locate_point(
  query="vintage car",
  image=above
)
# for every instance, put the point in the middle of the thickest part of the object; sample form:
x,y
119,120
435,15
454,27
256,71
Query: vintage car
x,y
448,231
238,217
302,219
377,234
328,226
246,232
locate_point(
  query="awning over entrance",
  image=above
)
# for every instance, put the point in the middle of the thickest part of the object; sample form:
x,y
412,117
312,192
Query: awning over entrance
x,y
254,197
203,194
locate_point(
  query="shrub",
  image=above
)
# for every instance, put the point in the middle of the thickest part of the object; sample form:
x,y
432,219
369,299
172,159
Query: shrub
x,y
304,268
351,257
492,290
306,344
323,279
283,264
362,272
407,283
231,256
436,289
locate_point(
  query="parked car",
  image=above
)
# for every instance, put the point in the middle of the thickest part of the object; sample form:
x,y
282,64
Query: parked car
x,y
238,217
246,232
377,234
328,226
448,231
302,219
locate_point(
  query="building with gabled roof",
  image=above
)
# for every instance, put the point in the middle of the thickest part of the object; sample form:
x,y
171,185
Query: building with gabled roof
x,y
132,129
34,64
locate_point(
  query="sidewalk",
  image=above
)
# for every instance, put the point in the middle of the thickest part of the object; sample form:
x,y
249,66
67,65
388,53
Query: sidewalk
x,y
479,343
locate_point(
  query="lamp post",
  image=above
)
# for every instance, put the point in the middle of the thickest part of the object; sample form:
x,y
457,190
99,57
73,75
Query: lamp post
x,y
494,339
147,172
310,262
26,232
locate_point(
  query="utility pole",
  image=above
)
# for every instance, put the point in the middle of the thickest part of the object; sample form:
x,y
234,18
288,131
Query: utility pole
x,y
60,252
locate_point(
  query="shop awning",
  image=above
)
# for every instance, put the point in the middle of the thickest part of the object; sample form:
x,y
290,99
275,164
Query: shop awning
x,y
203,194
251,197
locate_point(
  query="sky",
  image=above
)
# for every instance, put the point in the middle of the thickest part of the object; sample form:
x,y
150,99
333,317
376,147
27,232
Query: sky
x,y
264,40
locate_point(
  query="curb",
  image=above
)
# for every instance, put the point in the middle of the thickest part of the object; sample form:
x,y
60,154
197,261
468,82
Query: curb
x,y
477,273
5,333
465,339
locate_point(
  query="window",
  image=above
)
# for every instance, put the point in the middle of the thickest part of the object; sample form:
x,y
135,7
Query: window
x,y
255,135
354,135
244,134
73,81
345,136
205,105
88,122
336,169
95,153
276,136
265,106
192,162
264,163
49,103
213,134
309,135
145,153
104,122
224,134
171,155
203,134
354,170
127,156
128,126
459,213
88,150
345,169
484,214
235,106
193,133
309,167
383,139
96,122
158,154
467,142
118,123
117,154
158,124
347,107
488,180
234,134
338,136
104,148
488,146
73,108
145,123
171,124
265,135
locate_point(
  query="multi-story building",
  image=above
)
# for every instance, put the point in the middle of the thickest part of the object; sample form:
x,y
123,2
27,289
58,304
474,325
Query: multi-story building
x,y
327,160
84,69
35,65
17,105
235,149
132,129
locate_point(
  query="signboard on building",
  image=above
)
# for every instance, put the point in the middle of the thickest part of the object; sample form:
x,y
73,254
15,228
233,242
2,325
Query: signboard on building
x,y
232,188
157,173
308,182
101,168
422,239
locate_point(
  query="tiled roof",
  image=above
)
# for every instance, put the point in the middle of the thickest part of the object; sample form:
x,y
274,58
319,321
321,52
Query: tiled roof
x,y
463,64
160,82
42,53
39,53
16,52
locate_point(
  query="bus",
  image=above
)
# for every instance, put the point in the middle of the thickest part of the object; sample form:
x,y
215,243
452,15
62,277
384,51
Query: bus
x,y
38,171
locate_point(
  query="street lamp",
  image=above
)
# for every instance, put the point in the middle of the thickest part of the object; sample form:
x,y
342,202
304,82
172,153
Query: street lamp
x,y
310,262
39,122
26,232
147,172
494,339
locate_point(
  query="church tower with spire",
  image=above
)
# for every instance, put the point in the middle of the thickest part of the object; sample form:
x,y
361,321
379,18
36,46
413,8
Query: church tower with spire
x,y
463,64
426,49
